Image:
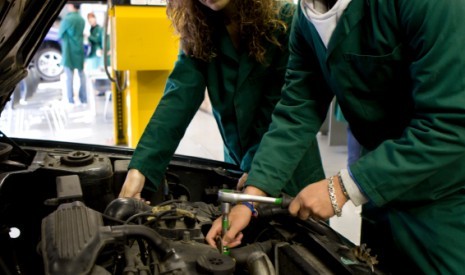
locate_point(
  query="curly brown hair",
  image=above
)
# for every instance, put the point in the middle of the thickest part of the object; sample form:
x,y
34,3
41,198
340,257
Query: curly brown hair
x,y
197,25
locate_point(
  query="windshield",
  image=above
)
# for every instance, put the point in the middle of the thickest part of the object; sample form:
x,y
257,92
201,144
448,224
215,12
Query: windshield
x,y
41,108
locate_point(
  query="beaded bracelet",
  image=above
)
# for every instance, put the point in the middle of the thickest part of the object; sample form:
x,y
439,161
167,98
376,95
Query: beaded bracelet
x,y
332,197
251,207
343,188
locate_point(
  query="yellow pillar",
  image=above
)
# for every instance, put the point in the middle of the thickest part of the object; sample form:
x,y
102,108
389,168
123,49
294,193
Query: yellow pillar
x,y
144,46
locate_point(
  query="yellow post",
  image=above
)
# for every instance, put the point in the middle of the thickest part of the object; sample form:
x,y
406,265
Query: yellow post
x,y
144,45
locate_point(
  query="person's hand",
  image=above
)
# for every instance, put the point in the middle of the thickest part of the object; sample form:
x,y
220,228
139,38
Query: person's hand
x,y
241,182
239,218
133,185
313,201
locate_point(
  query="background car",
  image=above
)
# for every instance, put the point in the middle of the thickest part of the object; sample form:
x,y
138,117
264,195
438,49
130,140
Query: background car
x,y
47,60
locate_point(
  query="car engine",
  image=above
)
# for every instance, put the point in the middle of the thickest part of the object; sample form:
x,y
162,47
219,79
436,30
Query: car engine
x,y
61,200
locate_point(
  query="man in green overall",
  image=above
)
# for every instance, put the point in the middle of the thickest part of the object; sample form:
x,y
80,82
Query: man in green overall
x,y
397,69
72,48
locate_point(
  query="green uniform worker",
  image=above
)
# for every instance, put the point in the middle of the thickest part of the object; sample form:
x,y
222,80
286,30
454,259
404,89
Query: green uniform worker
x,y
72,49
95,39
243,94
94,56
72,39
397,69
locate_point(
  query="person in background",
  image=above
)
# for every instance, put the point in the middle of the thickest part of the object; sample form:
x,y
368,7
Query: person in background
x,y
238,51
95,38
94,61
397,71
72,47
22,92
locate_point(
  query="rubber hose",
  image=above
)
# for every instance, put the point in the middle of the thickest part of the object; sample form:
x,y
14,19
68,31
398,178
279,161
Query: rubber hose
x,y
170,259
160,244
241,254
123,208
259,264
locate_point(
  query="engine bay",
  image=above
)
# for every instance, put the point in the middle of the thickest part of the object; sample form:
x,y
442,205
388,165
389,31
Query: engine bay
x,y
59,214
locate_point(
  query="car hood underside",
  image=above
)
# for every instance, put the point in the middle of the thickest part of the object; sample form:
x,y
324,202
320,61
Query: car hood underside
x,y
23,25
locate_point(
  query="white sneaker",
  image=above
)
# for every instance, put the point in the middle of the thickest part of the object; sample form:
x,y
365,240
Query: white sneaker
x,y
22,102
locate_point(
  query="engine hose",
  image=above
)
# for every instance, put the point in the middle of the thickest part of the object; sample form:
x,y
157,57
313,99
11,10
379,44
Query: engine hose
x,y
241,254
160,244
259,264
130,268
123,208
168,255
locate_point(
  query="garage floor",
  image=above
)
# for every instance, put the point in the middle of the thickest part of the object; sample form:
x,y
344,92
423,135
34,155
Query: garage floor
x,y
46,116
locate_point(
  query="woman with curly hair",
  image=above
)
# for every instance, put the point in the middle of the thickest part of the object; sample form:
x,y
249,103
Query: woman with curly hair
x,y
237,50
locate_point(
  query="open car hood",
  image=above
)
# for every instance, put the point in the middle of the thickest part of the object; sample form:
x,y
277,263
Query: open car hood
x,y
23,25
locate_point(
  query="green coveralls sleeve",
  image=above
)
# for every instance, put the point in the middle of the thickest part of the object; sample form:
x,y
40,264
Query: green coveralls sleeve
x,y
295,122
184,92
